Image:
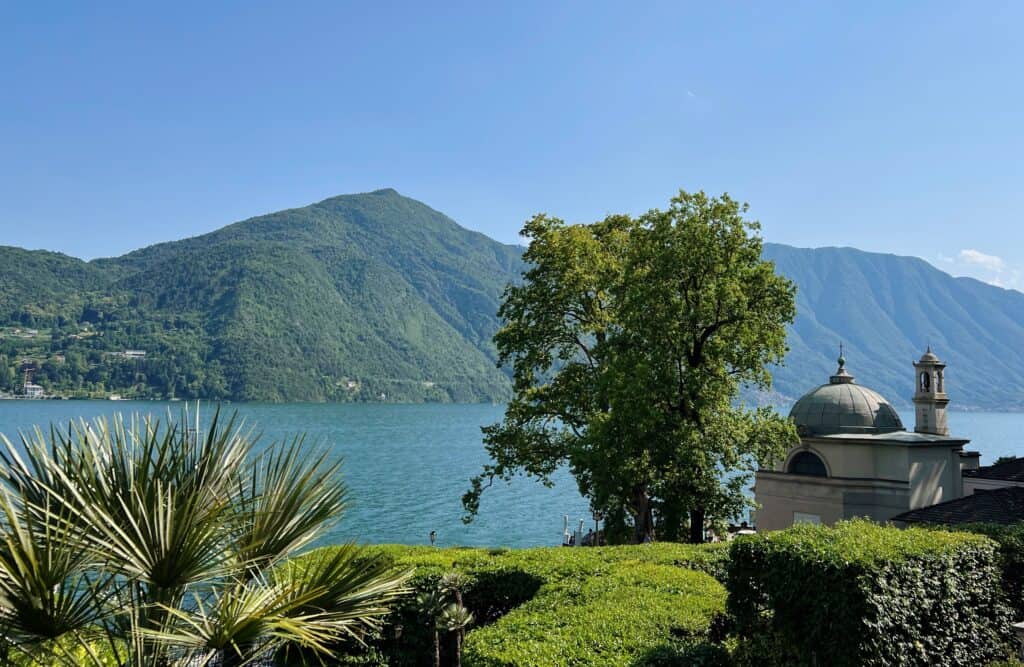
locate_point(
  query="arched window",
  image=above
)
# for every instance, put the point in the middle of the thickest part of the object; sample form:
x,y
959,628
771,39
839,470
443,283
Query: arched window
x,y
807,463
926,382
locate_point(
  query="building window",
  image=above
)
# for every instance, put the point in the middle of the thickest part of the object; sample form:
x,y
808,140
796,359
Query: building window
x,y
807,463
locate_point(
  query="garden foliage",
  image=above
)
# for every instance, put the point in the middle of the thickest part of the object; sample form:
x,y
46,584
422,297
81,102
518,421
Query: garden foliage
x,y
149,544
1011,560
623,605
863,594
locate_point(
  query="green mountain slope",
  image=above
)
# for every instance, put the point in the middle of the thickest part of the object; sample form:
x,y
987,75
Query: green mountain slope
x,y
378,297
359,297
45,282
886,309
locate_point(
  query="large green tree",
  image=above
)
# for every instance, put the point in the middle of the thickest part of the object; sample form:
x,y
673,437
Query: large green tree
x,y
630,340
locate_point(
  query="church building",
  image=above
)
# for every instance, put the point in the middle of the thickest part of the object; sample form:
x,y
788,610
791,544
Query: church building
x,y
856,459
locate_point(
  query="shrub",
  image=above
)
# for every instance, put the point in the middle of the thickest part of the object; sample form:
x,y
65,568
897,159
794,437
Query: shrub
x,y
508,584
137,542
863,594
630,610
68,650
1011,559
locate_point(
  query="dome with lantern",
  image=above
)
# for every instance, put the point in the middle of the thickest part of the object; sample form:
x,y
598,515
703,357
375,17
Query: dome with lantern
x,y
843,406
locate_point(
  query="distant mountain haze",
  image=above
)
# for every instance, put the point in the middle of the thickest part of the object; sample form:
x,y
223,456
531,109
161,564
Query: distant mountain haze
x,y
886,309
376,296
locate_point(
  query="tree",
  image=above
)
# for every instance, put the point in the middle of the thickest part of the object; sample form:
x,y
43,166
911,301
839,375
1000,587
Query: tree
x,y
455,619
630,340
7,377
430,604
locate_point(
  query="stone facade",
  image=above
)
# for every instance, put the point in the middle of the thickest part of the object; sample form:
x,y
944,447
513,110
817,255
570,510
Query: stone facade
x,y
855,458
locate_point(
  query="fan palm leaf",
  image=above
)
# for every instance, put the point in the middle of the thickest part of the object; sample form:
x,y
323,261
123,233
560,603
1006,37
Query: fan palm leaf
x,y
351,590
151,501
173,546
292,498
236,624
46,595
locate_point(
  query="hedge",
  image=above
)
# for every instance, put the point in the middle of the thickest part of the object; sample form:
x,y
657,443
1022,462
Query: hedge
x,y
628,612
864,594
1010,539
560,606
556,561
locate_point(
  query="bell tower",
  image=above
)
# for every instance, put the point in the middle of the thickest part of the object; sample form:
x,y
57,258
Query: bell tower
x,y
930,399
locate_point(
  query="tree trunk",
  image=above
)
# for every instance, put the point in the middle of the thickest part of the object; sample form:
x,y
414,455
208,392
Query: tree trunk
x,y
697,525
437,649
458,649
644,520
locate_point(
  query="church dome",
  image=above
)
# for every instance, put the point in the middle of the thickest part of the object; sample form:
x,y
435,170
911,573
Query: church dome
x,y
841,406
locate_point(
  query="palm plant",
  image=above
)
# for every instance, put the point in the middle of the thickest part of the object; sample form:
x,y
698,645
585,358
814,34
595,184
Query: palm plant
x,y
453,584
441,605
454,619
431,603
173,548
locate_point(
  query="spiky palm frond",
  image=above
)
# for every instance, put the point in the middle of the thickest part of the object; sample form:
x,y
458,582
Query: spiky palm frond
x,y
310,605
344,589
46,594
173,543
292,497
454,618
152,501
70,650
237,623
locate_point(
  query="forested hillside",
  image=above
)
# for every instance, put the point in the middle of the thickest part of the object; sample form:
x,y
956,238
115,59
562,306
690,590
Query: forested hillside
x,y
360,297
378,297
886,309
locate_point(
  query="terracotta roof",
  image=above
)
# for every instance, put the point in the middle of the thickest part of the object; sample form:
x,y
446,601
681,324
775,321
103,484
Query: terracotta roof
x,y
1004,505
1012,471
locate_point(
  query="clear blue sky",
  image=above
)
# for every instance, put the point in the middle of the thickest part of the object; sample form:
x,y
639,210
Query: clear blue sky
x,y
894,127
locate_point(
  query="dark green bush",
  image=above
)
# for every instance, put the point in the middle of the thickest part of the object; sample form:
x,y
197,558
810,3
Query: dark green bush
x,y
1011,559
863,594
645,598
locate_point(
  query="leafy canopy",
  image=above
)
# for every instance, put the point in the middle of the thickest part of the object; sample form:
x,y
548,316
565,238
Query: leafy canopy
x,y
629,340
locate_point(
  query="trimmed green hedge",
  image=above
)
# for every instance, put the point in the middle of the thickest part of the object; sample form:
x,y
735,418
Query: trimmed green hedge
x,y
556,561
1011,560
554,606
863,594
624,615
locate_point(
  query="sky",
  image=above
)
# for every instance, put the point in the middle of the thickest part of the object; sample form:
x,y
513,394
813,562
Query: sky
x,y
890,127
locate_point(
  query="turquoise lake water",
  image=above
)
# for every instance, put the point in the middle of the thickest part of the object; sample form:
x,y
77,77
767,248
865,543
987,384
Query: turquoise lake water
x,y
407,466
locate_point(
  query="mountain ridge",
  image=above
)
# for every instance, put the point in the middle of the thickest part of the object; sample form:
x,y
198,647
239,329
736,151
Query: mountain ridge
x,y
375,296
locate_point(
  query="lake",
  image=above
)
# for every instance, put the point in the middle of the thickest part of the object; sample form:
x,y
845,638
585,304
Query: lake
x,y
407,466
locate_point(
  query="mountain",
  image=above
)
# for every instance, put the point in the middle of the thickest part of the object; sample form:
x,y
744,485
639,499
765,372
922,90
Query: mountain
x,y
886,309
351,298
374,294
